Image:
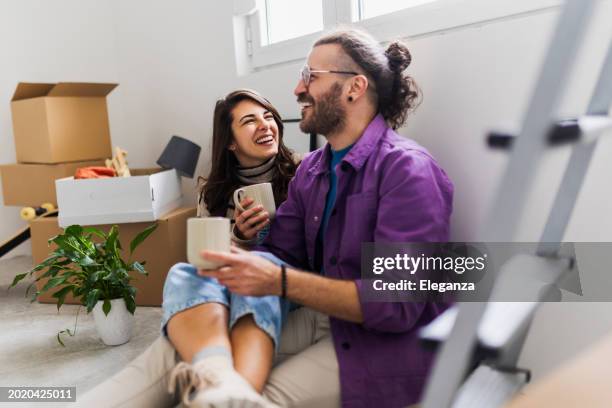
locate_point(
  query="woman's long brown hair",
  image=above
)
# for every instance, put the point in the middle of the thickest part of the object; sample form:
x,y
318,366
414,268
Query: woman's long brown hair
x,y
223,179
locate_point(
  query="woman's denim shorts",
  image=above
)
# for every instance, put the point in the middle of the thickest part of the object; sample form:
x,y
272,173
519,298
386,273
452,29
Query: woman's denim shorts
x,y
184,289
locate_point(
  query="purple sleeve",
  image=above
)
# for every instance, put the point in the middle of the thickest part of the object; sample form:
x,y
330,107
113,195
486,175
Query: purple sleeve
x,y
286,239
415,206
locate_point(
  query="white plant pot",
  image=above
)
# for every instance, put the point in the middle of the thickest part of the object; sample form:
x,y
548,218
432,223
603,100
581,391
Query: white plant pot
x,y
117,327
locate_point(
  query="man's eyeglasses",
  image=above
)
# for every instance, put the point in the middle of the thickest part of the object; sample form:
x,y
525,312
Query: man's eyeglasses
x,y
306,73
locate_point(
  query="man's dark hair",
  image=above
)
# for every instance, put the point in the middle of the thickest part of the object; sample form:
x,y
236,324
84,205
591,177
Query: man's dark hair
x,y
394,92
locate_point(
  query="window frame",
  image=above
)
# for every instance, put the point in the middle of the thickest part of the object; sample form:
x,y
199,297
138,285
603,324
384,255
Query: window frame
x,y
426,19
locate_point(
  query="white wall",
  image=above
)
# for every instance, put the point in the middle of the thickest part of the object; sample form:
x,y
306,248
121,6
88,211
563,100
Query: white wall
x,y
43,41
174,59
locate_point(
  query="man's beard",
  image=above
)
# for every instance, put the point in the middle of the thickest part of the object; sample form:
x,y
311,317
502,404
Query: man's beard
x,y
327,115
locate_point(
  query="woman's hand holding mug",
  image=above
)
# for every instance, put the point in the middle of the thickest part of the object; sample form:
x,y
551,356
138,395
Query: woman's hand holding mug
x,y
255,208
251,220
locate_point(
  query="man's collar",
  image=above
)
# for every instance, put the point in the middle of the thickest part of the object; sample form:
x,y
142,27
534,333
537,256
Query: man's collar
x,y
322,164
361,150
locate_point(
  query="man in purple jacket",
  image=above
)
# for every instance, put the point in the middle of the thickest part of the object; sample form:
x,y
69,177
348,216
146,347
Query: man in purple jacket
x,y
367,184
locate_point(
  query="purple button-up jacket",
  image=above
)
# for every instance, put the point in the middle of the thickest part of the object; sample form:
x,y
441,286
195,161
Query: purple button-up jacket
x,y
389,189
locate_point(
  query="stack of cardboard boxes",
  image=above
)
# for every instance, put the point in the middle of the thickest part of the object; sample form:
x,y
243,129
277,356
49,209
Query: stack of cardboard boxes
x,y
59,128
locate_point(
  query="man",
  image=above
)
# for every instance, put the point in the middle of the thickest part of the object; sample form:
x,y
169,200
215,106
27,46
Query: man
x,y
367,184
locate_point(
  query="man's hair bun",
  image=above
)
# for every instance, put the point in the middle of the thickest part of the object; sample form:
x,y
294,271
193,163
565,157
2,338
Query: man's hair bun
x,y
399,56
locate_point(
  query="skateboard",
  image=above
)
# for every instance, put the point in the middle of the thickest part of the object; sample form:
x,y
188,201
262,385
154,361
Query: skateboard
x,y
21,236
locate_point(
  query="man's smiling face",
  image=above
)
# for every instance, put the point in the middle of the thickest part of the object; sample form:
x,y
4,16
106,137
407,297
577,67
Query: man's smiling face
x,y
321,101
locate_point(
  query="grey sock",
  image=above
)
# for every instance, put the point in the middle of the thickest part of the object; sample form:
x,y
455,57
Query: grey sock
x,y
212,351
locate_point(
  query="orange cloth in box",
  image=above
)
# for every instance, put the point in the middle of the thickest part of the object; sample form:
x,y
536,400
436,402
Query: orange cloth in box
x,y
94,172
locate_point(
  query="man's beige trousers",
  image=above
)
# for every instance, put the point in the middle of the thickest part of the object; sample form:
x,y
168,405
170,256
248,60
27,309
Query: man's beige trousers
x,y
305,373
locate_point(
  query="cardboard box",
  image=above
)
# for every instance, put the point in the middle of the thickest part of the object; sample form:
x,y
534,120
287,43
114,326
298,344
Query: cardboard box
x,y
145,196
64,122
30,185
162,249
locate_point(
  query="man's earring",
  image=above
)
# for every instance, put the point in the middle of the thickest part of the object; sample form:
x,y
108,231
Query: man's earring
x,y
232,148
350,99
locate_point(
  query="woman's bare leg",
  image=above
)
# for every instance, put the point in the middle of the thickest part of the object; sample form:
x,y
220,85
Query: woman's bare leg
x,y
253,351
201,326
206,325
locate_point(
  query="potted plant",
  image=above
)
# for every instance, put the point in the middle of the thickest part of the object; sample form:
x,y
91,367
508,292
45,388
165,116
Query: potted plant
x,y
87,264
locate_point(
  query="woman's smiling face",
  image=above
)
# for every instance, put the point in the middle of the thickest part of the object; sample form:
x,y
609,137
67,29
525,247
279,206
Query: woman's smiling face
x,y
255,133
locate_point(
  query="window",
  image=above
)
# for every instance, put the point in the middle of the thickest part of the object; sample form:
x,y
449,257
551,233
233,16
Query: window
x,y
372,8
272,32
287,19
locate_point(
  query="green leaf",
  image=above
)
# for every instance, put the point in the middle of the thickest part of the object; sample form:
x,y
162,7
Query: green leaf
x,y
130,304
53,282
50,273
28,288
92,299
47,262
111,242
106,307
141,237
65,331
93,278
52,239
86,244
78,290
123,275
74,230
18,277
70,273
81,260
59,339
63,262
94,231
60,295
74,249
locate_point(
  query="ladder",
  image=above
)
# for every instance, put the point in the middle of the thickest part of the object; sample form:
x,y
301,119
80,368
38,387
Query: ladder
x,y
469,328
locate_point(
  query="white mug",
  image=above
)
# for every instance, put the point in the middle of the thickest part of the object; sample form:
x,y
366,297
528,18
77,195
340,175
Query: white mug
x,y
208,233
261,194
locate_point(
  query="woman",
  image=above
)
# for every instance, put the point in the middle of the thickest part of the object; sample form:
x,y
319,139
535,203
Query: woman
x,y
247,149
226,342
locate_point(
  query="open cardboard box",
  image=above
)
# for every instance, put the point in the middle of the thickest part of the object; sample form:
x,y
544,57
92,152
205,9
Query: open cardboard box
x,y
63,122
145,196
162,249
30,185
